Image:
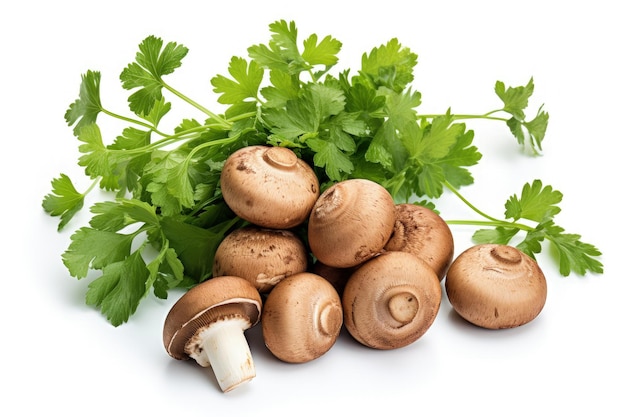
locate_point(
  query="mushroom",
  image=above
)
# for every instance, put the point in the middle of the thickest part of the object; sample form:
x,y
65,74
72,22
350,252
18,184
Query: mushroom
x,y
391,300
260,255
269,186
336,276
496,286
422,232
207,324
302,317
351,222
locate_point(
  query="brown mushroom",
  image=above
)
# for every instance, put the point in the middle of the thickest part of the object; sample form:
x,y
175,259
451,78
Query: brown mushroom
x,y
260,255
351,222
496,286
422,232
391,300
207,324
302,318
336,276
269,186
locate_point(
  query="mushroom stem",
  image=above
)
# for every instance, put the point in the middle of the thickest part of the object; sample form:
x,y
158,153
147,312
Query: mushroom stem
x,y
223,346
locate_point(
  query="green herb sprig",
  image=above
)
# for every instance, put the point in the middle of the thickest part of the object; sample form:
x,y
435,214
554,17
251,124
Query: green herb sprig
x,y
166,217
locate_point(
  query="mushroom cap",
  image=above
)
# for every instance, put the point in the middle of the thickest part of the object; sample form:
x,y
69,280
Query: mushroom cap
x,y
262,256
422,232
391,300
350,222
302,318
269,186
213,300
496,286
336,276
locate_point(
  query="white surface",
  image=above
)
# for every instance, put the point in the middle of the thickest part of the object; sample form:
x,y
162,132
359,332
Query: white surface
x,y
60,356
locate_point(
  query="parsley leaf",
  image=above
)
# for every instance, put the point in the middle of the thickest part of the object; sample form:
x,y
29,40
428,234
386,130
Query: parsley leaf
x,y
118,291
283,54
153,61
247,79
389,65
95,157
64,200
84,111
515,101
535,203
322,53
91,248
573,254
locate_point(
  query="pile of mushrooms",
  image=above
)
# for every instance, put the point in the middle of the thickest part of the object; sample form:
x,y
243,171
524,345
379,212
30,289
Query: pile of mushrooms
x,y
367,264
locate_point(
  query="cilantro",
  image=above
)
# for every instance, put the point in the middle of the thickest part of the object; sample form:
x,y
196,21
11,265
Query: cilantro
x,y
166,216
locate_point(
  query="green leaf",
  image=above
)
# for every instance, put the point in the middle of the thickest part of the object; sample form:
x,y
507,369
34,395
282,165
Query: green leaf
x,y
91,248
536,203
533,241
304,115
195,246
96,157
152,62
120,288
515,99
282,52
460,156
330,157
360,98
285,87
84,111
64,200
537,129
285,36
323,53
389,145
430,180
498,235
573,254
171,188
390,65
247,78
113,216
435,140
166,272
158,111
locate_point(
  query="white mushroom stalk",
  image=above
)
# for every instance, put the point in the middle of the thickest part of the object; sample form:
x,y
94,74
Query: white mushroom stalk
x,y
223,347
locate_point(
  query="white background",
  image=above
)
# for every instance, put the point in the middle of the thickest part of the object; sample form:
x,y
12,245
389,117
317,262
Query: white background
x,y
59,356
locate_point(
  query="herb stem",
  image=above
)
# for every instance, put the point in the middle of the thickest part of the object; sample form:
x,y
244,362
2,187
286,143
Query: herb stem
x,y
134,121
222,122
491,221
486,116
470,205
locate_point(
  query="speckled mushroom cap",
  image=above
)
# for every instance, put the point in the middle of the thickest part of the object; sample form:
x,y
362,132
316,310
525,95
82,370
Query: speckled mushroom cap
x,y
422,232
302,318
213,300
262,256
496,286
350,223
269,186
